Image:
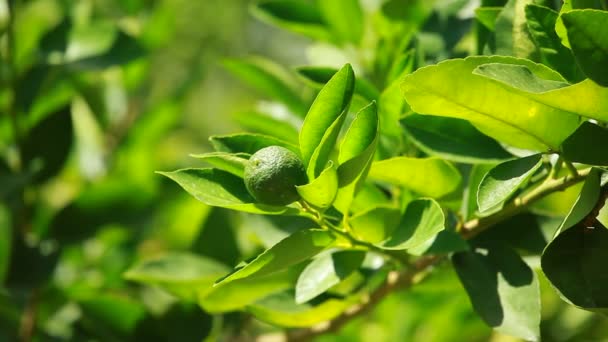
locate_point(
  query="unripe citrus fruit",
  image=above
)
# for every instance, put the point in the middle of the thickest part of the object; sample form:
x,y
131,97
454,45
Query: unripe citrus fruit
x,y
271,175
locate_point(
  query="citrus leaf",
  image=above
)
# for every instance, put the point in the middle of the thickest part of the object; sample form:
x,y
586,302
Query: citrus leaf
x,y
294,15
268,78
431,177
326,271
501,182
248,143
183,274
470,208
317,76
345,18
445,242
577,147
297,247
282,127
586,201
230,162
451,89
487,16
453,139
324,120
518,76
511,35
375,224
321,192
504,290
222,189
422,221
588,37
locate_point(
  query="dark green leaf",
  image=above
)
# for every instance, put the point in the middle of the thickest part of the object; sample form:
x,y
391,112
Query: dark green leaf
x,y
422,221
230,162
294,15
5,242
502,288
585,203
299,246
115,313
445,242
523,232
326,271
124,49
247,143
453,139
221,189
324,120
502,181
583,146
588,36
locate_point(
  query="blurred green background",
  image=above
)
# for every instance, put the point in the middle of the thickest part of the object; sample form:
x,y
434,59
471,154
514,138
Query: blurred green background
x,y
97,95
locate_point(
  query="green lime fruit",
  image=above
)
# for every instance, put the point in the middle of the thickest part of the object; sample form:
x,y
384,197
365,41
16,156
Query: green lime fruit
x,y
271,175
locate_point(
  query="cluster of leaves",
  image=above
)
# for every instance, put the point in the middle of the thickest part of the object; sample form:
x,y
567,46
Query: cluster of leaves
x,y
413,161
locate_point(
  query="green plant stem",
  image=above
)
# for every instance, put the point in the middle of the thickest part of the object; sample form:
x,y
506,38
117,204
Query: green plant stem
x,y
573,171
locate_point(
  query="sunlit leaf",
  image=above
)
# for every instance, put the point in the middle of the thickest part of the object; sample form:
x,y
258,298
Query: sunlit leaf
x,y
321,192
230,162
423,220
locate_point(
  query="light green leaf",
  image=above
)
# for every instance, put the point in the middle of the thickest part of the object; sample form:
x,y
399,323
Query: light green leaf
x,y
248,143
321,192
452,139
237,294
297,247
518,76
270,79
326,271
222,189
583,145
324,120
503,289
375,224
356,154
230,162
282,127
281,310
500,183
345,18
487,16
585,203
507,114
431,177
422,221
588,36
317,76
183,274
294,15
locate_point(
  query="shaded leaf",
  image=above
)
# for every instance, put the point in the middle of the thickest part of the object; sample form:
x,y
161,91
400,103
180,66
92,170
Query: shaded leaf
x,y
583,146
422,221
247,143
267,124
487,16
124,49
585,203
230,162
321,192
294,15
445,242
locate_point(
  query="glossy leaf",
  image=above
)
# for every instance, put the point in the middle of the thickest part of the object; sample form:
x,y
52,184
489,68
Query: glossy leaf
x,y
422,221
300,246
230,162
583,146
375,224
247,143
432,177
281,310
324,120
321,192
317,76
326,271
503,289
283,128
294,15
500,183
182,274
588,37
451,89
585,203
575,264
452,139
356,154
269,79
221,189
345,18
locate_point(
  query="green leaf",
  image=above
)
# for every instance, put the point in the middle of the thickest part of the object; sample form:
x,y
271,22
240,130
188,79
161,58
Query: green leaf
x,y
345,18
518,76
422,221
230,162
123,50
294,15
504,290
321,192
487,16
115,313
356,154
183,274
281,310
5,242
222,189
326,271
299,246
375,224
268,78
583,146
511,35
452,139
541,25
575,264
445,242
317,76
247,143
585,203
237,294
431,177
588,36
509,115
470,208
281,127
324,120
500,183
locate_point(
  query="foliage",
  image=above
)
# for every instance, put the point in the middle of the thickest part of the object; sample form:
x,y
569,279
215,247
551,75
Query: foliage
x,y
450,151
